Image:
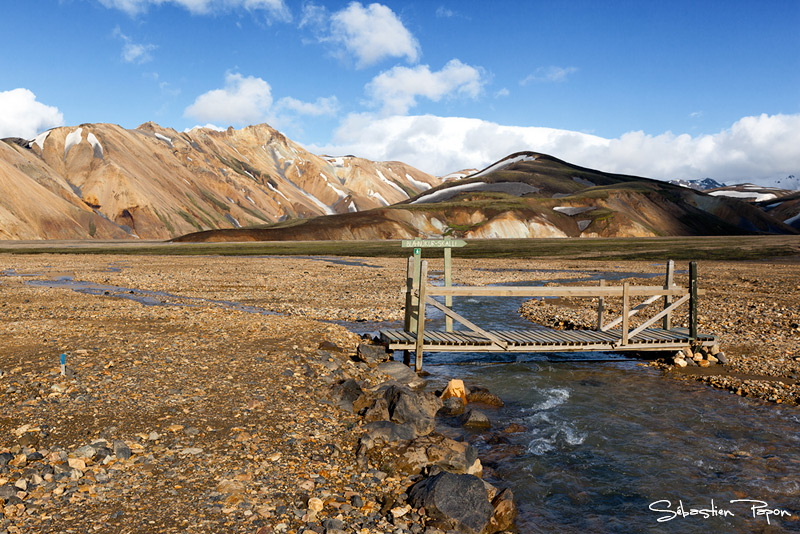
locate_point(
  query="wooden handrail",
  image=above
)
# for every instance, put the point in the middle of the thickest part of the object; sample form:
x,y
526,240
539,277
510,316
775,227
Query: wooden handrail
x,y
561,291
419,294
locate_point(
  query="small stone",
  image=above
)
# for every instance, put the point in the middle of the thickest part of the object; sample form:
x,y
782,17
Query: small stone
x,y
721,358
20,460
77,463
307,485
475,419
87,451
230,487
680,362
315,504
455,388
153,436
704,363
121,450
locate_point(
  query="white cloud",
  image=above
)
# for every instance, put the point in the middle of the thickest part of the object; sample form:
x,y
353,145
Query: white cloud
x,y
502,92
248,100
22,116
757,149
134,52
397,89
276,8
208,126
244,100
137,53
444,12
549,74
369,33
322,106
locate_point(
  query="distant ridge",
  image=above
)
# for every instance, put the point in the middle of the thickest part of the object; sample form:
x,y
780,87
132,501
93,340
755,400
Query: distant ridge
x,y
531,195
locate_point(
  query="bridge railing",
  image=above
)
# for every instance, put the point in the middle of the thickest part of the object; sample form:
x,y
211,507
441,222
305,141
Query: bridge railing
x,y
419,295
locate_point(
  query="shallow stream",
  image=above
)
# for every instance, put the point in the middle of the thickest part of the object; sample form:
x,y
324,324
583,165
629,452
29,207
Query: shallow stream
x,y
609,444
612,446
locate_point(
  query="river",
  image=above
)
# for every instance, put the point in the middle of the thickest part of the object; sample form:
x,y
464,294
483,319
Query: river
x,y
610,445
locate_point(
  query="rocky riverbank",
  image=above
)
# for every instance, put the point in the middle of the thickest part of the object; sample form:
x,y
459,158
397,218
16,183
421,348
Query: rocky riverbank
x,y
753,308
184,414
182,410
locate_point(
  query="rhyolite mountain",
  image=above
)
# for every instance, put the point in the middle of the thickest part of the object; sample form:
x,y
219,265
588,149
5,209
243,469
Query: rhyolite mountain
x,y
529,195
106,182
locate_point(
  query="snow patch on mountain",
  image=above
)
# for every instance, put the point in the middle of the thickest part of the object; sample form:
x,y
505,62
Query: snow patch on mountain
x,y
573,210
502,164
791,220
391,184
96,146
72,139
377,196
40,139
164,138
755,196
419,185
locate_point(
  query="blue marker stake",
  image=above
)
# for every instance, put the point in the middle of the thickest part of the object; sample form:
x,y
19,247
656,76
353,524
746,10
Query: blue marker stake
x,y
63,364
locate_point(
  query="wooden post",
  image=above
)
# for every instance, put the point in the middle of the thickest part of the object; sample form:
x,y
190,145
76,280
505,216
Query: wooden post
x,y
448,281
625,309
423,281
693,301
600,309
409,304
668,298
409,295
412,323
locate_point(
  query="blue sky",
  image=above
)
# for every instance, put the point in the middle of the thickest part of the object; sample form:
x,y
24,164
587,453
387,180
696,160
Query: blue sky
x,y
679,89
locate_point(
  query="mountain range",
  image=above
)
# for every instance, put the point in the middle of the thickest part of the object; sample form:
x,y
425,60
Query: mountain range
x,y
105,182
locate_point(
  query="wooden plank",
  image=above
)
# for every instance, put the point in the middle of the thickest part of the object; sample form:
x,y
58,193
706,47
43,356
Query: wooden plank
x,y
466,322
659,315
448,282
625,311
668,283
552,291
600,308
693,300
636,309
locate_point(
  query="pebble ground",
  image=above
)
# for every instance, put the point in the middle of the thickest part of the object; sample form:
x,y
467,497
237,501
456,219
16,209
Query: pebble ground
x,y
224,412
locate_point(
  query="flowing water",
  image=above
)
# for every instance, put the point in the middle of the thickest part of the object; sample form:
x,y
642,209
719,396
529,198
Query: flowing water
x,y
612,446
608,444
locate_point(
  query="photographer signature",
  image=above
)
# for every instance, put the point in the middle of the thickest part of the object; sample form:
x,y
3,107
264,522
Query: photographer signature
x,y
758,509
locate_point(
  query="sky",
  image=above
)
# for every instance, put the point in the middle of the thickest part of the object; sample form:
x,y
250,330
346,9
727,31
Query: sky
x,y
681,89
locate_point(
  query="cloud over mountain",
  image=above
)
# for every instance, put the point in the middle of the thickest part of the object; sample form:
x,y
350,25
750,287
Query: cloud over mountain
x,y
21,115
757,148
397,89
369,34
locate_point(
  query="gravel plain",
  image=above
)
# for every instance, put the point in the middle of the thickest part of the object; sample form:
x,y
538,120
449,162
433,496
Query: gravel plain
x,y
205,408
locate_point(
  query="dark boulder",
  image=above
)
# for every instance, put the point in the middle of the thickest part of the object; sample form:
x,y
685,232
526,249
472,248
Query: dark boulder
x,y
417,409
457,502
484,396
371,354
345,392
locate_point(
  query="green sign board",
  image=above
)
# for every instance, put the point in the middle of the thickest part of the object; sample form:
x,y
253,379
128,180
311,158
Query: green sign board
x,y
432,243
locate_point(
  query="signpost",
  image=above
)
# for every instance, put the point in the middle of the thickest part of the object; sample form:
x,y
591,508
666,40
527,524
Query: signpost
x,y
411,301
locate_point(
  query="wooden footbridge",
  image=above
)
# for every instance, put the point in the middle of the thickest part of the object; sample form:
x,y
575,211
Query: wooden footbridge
x,y
616,335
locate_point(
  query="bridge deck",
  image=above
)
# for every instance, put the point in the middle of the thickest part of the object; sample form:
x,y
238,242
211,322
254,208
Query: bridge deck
x,y
541,340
